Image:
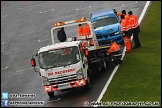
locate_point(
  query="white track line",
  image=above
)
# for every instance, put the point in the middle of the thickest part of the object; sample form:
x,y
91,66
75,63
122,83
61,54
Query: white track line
x,y
84,8
5,67
61,17
9,50
65,16
26,69
2,42
123,54
34,5
47,11
129,3
43,40
143,12
3,16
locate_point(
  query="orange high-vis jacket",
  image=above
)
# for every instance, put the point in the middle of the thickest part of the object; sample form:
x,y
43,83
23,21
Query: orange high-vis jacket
x,y
113,48
128,21
80,30
126,17
133,21
125,25
84,44
84,30
91,42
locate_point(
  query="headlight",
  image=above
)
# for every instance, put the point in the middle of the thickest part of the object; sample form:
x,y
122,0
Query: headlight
x,y
116,33
79,74
99,28
45,81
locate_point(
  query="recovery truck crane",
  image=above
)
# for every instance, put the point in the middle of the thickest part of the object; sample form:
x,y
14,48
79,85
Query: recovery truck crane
x,y
66,65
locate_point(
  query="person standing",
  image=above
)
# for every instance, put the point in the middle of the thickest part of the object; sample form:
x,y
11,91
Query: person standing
x,y
84,30
126,16
61,35
126,32
135,29
123,12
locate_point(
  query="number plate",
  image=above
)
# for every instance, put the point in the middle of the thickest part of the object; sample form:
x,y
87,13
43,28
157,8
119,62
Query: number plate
x,y
63,86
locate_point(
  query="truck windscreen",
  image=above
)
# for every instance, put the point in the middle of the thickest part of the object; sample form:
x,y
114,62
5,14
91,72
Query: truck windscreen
x,y
105,22
59,57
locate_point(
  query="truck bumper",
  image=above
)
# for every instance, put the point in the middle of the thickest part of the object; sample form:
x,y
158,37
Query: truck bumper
x,y
63,86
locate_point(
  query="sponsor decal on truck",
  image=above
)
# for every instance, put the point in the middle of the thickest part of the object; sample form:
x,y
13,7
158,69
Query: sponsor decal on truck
x,y
61,72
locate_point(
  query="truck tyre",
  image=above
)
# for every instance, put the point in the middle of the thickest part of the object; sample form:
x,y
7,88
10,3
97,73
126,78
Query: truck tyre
x,y
50,94
88,83
104,65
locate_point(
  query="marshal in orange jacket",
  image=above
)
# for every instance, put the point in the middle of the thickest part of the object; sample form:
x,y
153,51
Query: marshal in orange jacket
x,y
113,48
84,30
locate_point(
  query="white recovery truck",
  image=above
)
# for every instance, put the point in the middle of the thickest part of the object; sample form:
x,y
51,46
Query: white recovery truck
x,y
66,65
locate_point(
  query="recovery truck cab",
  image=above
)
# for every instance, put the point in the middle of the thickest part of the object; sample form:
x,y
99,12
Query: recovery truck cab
x,y
67,65
106,25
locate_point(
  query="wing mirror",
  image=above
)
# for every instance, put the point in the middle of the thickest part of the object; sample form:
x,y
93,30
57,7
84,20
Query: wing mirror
x,y
33,63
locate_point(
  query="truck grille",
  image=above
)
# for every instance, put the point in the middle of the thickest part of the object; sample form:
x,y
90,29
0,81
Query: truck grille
x,y
63,79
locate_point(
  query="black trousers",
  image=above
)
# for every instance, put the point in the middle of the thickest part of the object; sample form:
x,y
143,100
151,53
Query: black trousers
x,y
117,57
136,40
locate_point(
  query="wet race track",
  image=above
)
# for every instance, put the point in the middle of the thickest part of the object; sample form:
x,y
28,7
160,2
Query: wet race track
x,y
25,27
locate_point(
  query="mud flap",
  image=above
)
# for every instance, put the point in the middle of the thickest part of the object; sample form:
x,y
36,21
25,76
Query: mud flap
x,y
88,85
51,94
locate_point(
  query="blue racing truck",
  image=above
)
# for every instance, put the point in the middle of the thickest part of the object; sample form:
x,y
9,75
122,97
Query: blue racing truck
x,y
106,26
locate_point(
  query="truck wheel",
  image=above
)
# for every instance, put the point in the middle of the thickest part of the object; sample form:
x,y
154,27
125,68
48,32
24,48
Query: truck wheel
x,y
51,94
104,65
88,83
